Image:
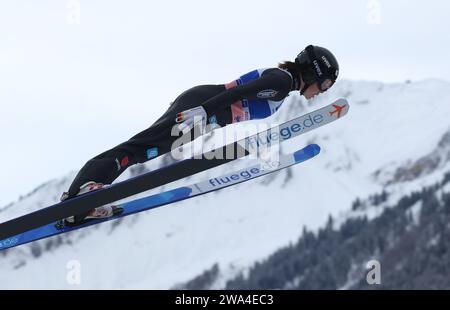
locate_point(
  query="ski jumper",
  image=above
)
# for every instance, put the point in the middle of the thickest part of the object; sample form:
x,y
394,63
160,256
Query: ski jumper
x,y
255,95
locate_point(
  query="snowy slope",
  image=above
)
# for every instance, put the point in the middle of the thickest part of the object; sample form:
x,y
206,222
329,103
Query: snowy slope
x,y
388,126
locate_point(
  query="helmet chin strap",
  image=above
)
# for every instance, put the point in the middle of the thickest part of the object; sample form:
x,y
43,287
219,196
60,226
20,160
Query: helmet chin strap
x,y
305,86
302,91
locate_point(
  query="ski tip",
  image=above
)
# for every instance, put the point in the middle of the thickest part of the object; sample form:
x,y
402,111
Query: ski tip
x,y
307,152
342,102
313,149
339,108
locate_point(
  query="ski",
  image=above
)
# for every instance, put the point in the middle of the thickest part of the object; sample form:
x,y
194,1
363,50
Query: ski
x,y
178,194
176,171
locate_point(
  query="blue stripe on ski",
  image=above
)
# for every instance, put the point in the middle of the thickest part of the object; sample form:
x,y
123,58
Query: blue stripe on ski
x,y
306,153
143,204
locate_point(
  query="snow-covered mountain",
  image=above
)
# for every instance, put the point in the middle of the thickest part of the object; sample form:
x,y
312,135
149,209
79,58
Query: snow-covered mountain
x,y
394,138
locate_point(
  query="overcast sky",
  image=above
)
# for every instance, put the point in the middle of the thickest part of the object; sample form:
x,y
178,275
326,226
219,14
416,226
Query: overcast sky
x,y
79,77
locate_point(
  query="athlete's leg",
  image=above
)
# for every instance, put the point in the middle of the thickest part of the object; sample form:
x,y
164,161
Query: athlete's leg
x,y
146,145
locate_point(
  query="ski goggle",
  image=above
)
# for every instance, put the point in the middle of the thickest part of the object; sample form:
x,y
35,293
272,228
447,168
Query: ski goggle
x,y
325,85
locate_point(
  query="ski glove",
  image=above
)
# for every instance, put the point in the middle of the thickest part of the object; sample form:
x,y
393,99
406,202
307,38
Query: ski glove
x,y
188,119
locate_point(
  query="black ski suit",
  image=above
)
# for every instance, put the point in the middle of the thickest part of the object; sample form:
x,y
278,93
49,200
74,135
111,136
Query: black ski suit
x,y
257,91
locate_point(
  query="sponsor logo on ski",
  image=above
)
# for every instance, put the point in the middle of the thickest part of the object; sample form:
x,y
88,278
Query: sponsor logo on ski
x,y
338,110
8,242
285,132
244,174
295,127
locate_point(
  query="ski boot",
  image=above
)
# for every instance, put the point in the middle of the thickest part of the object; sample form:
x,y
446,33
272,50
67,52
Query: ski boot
x,y
101,212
